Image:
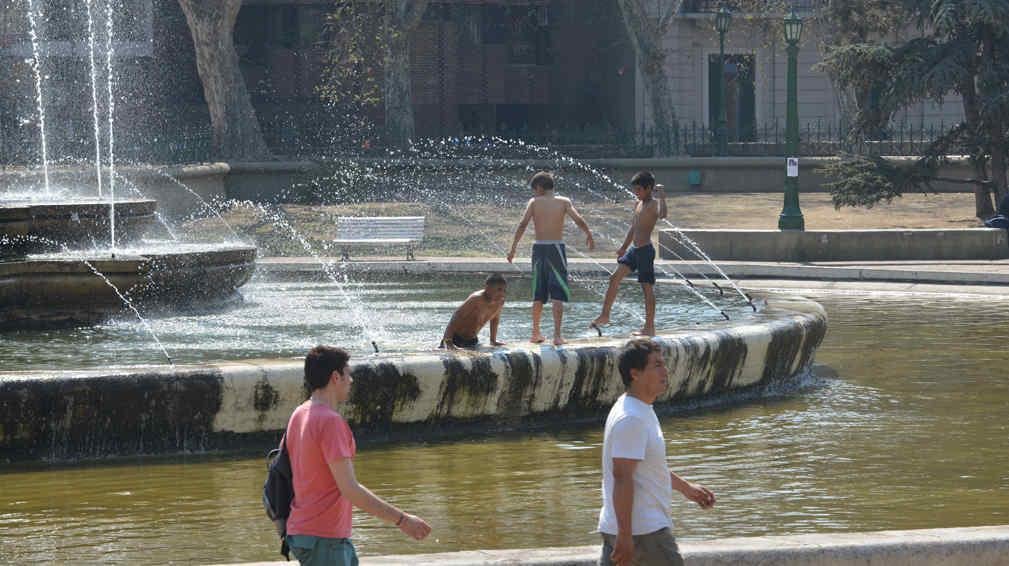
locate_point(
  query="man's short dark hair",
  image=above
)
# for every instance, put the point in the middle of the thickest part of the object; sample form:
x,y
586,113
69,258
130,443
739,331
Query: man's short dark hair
x,y
495,279
321,362
643,179
635,356
543,180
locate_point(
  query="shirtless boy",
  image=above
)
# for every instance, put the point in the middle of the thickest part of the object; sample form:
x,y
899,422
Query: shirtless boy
x,y
479,308
550,260
637,252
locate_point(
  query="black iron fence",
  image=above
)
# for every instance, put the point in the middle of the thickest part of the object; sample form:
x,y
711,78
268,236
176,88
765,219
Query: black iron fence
x,y
693,139
768,6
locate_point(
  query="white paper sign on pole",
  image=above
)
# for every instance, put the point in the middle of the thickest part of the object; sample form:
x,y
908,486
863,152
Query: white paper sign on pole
x,y
792,164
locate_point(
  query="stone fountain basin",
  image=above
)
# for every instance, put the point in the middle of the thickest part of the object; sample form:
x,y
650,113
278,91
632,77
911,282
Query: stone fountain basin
x,y
70,223
67,415
53,290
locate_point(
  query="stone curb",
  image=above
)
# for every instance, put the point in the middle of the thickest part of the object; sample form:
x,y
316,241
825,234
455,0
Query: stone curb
x,y
977,546
926,273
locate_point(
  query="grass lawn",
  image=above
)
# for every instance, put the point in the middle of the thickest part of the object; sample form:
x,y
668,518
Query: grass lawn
x,y
485,228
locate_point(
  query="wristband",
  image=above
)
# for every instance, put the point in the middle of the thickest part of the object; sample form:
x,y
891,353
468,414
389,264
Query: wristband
x,y
400,520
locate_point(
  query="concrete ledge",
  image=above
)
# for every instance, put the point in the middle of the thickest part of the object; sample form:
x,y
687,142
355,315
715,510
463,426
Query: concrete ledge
x,y
717,174
839,245
158,409
267,180
973,273
976,546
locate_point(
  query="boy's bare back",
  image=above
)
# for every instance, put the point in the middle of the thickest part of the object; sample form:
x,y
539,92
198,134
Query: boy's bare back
x,y
548,212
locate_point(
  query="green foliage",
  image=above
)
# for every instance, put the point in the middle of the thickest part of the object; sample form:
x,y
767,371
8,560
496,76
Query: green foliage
x,y
960,48
351,78
856,21
353,59
867,180
863,181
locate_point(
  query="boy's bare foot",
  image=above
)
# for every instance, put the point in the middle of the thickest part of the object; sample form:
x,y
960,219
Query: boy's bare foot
x,y
644,332
601,320
537,339
559,341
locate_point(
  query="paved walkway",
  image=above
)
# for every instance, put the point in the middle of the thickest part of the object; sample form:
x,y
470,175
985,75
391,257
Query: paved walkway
x,y
960,273
977,546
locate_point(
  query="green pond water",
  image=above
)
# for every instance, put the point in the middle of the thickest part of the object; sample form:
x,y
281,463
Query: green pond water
x,y
913,432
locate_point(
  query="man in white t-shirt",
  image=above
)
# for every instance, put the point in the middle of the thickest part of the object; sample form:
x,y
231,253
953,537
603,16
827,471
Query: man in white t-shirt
x,y
637,484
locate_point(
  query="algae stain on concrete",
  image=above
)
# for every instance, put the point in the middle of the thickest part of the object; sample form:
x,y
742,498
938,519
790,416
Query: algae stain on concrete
x,y
792,346
815,331
595,368
264,396
524,369
378,391
67,418
470,385
714,363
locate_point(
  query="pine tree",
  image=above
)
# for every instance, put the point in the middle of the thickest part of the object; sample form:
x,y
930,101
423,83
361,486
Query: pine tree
x,y
960,48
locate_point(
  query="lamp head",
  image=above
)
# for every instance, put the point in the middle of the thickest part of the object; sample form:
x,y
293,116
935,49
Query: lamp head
x,y
722,19
793,28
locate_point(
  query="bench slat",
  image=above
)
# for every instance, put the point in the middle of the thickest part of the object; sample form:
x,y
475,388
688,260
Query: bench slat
x,y
378,230
352,241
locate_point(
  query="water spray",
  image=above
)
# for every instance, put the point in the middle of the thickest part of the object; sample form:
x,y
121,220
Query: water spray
x,y
94,96
37,71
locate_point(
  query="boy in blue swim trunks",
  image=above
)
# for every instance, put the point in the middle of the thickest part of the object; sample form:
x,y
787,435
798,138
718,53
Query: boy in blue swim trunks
x,y
637,252
550,262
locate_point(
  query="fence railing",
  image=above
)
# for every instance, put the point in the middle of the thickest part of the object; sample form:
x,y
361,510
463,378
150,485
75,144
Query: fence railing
x,y
770,6
693,139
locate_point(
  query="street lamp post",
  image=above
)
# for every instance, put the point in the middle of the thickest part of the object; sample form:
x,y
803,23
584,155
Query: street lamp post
x,y
791,215
722,20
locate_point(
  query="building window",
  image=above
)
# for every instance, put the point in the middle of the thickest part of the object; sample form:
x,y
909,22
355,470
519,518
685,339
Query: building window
x,y
740,95
528,35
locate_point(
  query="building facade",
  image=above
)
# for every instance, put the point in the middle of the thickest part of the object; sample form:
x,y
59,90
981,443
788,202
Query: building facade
x,y
556,71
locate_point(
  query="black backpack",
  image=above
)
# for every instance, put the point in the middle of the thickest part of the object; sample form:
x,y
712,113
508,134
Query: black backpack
x,y
278,492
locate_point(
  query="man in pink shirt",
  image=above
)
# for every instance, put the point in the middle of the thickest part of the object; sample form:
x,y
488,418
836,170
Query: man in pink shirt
x,y
322,448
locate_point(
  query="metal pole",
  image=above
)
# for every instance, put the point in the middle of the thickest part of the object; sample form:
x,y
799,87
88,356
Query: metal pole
x,y
722,130
791,216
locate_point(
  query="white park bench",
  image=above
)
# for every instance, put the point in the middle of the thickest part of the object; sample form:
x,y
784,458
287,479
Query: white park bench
x,y
374,231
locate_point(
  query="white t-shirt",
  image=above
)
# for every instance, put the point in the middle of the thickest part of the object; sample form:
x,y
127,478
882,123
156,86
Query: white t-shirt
x,y
633,432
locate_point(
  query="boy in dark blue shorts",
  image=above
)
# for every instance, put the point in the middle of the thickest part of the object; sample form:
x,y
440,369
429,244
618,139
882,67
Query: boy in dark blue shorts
x,y
637,252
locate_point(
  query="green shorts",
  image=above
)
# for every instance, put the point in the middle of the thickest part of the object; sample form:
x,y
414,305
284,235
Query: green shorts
x,y
321,551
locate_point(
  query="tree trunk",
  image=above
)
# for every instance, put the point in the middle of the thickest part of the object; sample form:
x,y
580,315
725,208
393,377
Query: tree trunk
x,y
647,42
997,150
236,133
401,18
983,208
847,105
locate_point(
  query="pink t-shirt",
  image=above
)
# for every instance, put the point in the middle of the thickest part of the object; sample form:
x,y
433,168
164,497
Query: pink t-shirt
x,y
317,435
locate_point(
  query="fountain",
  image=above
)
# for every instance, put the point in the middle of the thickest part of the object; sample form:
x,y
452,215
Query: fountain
x,y
76,257
67,257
